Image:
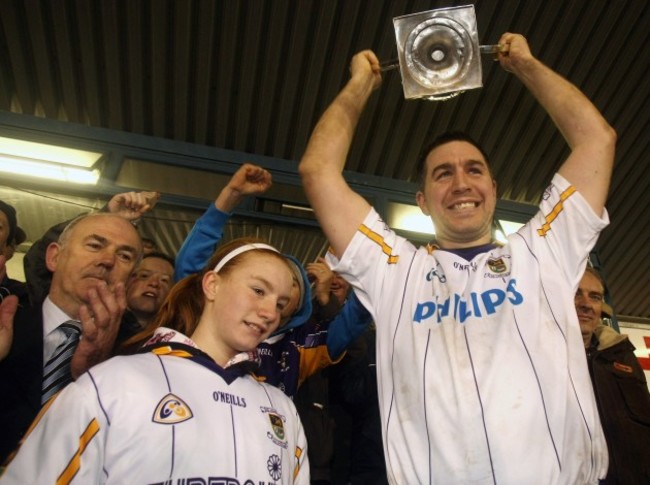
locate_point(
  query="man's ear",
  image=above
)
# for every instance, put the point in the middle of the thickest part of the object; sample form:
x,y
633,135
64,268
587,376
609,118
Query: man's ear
x,y
52,256
422,202
210,282
494,187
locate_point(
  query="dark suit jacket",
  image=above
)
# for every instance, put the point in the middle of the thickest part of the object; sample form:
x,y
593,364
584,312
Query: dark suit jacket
x,y
21,373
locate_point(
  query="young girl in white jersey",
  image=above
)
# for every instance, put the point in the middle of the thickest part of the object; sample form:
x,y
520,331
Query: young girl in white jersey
x,y
185,409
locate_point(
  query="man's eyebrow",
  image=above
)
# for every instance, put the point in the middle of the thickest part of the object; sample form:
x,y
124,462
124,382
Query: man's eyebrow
x,y
97,237
470,162
126,247
103,240
442,166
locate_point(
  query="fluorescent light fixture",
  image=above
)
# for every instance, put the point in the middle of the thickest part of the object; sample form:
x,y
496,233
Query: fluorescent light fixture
x,y
48,153
37,168
20,157
303,208
409,218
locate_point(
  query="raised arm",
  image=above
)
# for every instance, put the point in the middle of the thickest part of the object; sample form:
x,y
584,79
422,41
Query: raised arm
x,y
338,208
207,232
591,139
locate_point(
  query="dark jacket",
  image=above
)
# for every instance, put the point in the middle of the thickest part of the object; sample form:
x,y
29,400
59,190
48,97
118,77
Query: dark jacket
x,y
624,406
21,374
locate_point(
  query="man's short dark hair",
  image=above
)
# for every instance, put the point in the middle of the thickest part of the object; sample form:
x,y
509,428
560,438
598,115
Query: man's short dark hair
x,y
159,255
441,139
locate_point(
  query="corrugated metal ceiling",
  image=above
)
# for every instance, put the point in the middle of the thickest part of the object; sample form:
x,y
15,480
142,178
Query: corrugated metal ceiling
x,y
254,76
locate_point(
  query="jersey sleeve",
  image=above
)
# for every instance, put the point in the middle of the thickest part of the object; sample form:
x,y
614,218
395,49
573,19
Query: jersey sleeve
x,y
66,441
564,230
374,261
200,242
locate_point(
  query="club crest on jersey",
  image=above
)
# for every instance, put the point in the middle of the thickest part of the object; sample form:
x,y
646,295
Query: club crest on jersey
x,y
497,265
277,426
172,410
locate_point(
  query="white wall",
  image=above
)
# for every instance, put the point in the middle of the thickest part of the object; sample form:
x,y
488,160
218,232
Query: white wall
x,y
15,267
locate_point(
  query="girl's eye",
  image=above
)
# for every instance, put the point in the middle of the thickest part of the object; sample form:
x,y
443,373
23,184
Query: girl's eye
x,y
259,291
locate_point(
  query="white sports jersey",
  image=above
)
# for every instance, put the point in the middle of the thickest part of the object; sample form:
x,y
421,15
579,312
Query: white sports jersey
x,y
164,419
481,365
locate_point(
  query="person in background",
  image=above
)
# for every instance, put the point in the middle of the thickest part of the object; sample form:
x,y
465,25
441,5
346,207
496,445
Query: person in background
x,y
619,384
146,290
184,407
315,331
358,454
128,205
75,327
149,245
11,235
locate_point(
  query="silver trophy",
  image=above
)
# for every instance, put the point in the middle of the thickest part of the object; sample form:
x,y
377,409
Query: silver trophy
x,y
439,53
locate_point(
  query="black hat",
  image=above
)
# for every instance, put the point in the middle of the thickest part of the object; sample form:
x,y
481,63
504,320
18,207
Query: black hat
x,y
10,212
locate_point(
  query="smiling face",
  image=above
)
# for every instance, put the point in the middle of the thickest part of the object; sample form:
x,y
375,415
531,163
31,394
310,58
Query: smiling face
x,y
148,287
589,305
339,288
243,306
98,248
459,195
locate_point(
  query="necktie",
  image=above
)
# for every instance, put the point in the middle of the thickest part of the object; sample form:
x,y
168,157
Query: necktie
x,y
56,373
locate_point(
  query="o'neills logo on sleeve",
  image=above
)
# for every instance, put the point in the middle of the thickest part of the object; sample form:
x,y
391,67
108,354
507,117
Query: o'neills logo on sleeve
x,y
461,307
171,410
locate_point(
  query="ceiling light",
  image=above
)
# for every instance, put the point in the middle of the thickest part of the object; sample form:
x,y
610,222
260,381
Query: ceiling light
x,y
297,207
48,153
409,218
36,168
20,157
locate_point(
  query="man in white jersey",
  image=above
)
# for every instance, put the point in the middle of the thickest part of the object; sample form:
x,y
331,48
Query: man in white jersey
x,y
481,367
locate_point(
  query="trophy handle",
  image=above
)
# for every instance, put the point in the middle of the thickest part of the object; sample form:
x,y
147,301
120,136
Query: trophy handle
x,y
487,50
